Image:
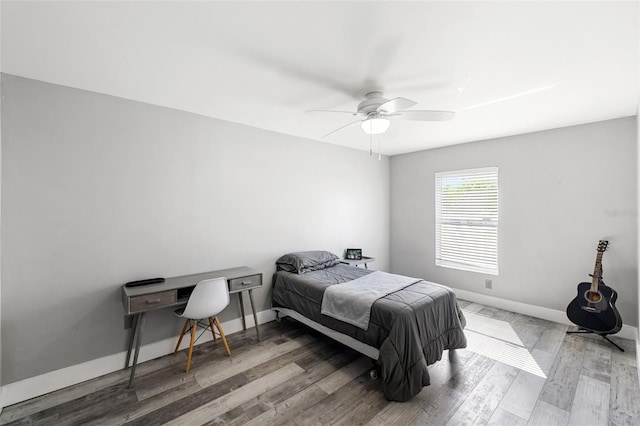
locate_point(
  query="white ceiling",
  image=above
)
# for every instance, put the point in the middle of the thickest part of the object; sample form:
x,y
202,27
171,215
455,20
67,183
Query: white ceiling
x,y
504,67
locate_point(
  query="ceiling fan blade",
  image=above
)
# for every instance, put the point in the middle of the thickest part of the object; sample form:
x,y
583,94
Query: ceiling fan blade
x,y
293,69
395,105
427,115
330,110
340,128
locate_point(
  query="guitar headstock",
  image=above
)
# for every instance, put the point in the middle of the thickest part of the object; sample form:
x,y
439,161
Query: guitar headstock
x,y
602,246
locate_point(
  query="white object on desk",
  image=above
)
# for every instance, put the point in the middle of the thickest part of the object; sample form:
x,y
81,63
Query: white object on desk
x,y
355,262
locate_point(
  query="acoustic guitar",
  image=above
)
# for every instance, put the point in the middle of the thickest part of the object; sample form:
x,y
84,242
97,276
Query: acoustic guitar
x,y
593,309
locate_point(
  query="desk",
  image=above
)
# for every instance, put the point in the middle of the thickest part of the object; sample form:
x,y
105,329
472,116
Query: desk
x,y
173,293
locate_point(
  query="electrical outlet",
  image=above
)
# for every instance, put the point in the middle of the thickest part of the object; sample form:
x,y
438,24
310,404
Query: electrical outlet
x,y
488,283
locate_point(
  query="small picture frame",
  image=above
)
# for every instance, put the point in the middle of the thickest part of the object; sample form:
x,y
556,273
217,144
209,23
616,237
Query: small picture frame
x,y
353,254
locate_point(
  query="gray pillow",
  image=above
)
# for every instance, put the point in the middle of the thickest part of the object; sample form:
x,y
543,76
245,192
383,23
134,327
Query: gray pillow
x,y
305,261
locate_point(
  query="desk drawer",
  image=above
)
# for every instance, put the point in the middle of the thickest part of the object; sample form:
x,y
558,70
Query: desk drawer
x,y
245,283
152,301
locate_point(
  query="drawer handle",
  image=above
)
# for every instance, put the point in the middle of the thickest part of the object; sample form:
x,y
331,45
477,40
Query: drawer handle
x,y
151,302
246,283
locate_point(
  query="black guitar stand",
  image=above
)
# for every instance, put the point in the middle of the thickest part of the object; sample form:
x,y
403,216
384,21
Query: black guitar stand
x,y
604,336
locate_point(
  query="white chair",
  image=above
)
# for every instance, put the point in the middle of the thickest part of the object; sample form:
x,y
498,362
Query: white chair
x,y
208,299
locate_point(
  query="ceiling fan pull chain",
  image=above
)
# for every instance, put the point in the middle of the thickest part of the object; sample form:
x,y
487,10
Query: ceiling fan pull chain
x,y
370,145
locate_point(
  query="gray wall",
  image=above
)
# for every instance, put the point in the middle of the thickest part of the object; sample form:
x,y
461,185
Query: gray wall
x,y
98,190
560,192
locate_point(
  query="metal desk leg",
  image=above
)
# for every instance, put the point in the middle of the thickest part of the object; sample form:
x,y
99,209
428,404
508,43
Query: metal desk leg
x,y
132,333
244,321
138,340
255,317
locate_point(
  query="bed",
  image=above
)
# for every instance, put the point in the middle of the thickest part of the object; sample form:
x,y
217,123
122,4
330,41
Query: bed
x,y
407,329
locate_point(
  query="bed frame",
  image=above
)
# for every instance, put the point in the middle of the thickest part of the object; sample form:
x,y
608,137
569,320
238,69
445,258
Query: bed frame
x,y
349,341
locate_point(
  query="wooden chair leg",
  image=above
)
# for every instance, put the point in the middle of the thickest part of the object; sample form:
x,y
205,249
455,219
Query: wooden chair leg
x,y
212,330
224,339
184,329
193,339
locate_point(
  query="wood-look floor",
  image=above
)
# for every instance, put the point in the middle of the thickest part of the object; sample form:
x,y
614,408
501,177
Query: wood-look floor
x,y
517,370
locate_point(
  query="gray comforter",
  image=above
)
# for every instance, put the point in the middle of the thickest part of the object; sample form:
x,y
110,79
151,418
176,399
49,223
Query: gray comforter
x,y
411,327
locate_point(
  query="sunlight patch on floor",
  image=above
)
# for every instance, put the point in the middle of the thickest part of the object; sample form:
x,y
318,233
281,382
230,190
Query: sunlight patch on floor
x,y
497,340
492,327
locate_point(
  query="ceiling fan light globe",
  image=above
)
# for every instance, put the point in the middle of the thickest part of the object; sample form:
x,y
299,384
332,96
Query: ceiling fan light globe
x,y
375,126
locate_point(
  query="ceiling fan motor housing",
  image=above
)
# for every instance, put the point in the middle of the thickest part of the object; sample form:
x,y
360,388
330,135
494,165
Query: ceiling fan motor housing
x,y
371,103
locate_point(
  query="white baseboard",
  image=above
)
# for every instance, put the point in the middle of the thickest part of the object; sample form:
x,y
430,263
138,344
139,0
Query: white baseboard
x,y
627,332
59,379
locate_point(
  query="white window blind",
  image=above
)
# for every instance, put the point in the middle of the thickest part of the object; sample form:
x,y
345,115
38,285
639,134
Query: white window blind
x,y
467,220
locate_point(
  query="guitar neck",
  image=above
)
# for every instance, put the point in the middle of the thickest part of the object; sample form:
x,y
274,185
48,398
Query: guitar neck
x,y
596,272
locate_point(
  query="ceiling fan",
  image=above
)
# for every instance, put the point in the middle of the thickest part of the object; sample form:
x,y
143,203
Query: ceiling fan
x,y
376,111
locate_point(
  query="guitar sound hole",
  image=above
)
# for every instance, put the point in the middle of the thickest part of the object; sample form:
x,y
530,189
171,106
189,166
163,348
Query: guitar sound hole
x,y
593,296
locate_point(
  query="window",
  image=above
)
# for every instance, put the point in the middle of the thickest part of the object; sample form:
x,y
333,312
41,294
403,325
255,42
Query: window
x,y
467,220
